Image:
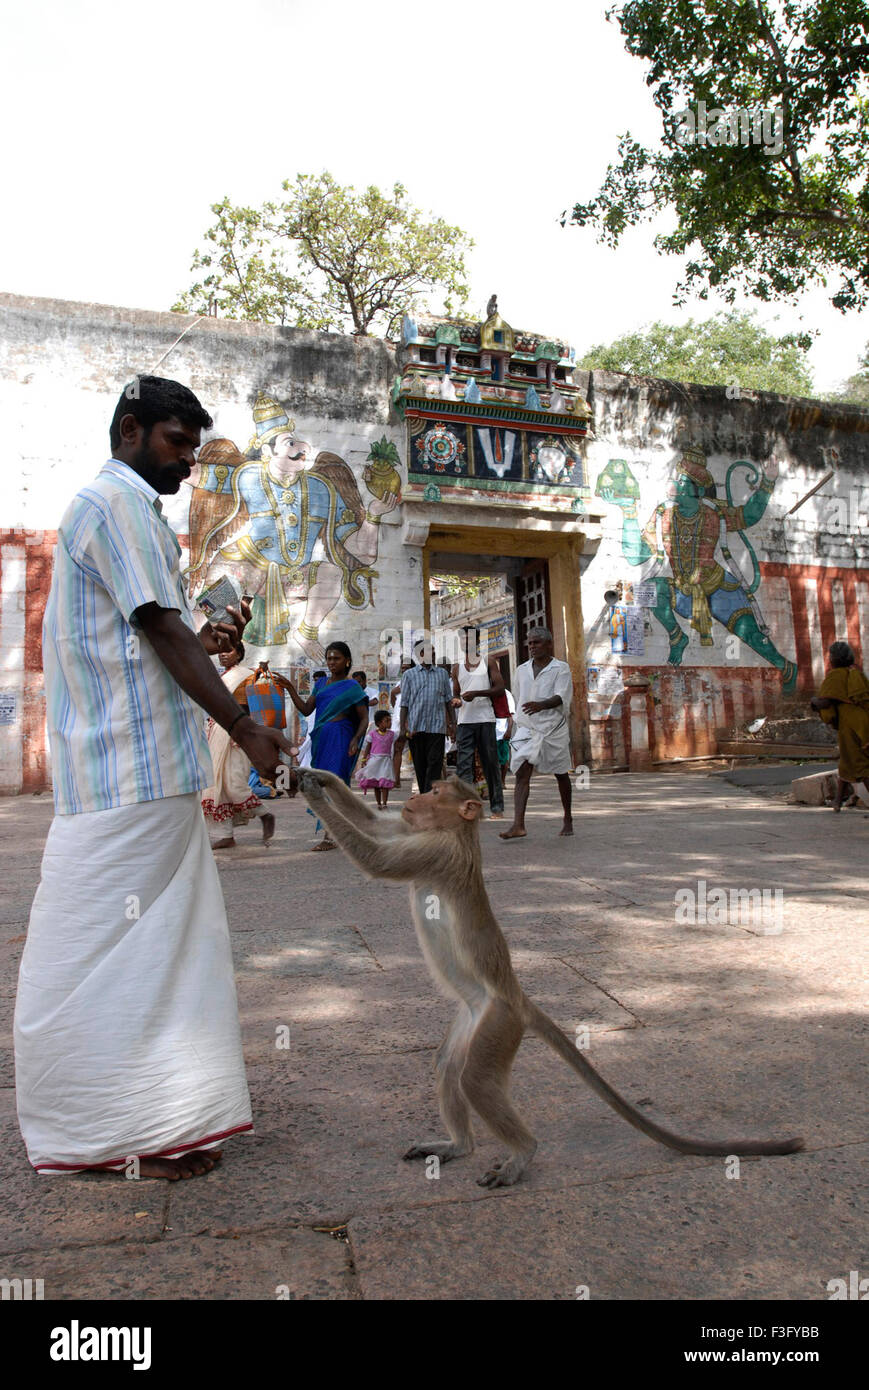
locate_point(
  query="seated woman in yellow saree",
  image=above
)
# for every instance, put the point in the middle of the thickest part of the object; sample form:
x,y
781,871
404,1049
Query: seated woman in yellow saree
x,y
843,701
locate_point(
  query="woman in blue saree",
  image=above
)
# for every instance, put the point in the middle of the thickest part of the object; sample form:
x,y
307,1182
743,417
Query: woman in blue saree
x,y
341,722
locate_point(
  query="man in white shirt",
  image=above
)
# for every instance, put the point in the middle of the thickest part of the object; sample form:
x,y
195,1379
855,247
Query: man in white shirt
x,y
372,694
541,737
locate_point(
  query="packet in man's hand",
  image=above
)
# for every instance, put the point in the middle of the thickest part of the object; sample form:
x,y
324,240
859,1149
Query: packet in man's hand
x,y
217,598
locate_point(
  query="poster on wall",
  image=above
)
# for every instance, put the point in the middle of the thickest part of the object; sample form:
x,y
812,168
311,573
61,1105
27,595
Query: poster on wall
x,y
635,637
618,628
8,708
604,681
646,593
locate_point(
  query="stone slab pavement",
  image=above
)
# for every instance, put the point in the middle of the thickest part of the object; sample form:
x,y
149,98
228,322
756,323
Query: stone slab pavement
x,y
751,1026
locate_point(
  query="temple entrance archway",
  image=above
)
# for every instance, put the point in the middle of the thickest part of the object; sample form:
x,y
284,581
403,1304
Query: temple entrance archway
x,y
542,569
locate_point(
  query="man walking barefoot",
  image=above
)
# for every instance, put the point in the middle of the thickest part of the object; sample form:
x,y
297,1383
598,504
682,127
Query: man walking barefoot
x,y
541,740
127,1042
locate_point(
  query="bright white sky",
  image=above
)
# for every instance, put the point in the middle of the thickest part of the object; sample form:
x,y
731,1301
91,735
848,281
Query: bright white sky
x,y
123,122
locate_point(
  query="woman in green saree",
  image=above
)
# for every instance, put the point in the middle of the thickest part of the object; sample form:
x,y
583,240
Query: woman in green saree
x,y
843,701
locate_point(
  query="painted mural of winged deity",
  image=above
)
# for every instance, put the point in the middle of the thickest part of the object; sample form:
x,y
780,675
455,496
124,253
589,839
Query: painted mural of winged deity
x,y
289,525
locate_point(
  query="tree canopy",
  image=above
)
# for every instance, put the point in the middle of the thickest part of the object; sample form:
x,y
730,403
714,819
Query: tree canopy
x,y
327,257
767,212
727,349
855,391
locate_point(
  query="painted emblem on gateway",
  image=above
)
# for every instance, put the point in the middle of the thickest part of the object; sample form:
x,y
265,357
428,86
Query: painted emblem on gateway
x,y
440,448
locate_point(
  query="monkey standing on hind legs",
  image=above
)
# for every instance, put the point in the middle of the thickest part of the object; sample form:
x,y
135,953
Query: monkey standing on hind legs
x,y
435,847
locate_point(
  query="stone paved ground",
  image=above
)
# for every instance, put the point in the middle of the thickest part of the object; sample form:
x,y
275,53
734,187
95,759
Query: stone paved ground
x,y
717,1030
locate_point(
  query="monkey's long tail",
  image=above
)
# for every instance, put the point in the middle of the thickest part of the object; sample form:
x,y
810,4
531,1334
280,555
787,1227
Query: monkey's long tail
x,y
541,1024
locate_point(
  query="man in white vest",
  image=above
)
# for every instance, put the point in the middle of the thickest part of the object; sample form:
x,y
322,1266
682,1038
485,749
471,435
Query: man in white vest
x,y
541,738
475,684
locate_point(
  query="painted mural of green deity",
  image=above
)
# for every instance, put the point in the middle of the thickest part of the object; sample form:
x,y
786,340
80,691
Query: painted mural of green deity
x,y
689,533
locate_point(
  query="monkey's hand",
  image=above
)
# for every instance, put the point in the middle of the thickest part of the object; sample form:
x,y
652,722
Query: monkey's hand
x,y
310,786
323,778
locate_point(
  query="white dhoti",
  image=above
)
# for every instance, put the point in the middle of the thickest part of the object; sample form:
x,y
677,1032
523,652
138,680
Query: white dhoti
x,y
542,739
127,1039
547,749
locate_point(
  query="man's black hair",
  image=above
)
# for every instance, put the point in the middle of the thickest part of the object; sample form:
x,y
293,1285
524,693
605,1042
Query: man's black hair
x,y
150,399
842,654
357,674
318,674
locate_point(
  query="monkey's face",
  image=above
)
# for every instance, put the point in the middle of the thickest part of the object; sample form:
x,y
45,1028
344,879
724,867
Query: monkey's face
x,y
440,809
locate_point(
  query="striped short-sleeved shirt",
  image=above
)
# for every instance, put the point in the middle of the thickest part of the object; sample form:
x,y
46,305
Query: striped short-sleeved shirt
x,y
424,693
120,727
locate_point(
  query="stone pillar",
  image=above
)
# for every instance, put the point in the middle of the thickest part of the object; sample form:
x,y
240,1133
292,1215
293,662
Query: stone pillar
x,y
637,688
417,606
569,639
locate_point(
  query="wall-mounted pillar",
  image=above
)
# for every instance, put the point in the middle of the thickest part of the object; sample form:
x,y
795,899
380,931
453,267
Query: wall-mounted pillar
x,y
637,688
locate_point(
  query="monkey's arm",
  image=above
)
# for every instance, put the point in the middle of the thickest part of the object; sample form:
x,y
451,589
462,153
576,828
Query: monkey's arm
x,y
399,855
340,795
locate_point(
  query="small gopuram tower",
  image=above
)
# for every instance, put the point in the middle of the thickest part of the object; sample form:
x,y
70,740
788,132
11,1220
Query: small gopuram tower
x,y
497,424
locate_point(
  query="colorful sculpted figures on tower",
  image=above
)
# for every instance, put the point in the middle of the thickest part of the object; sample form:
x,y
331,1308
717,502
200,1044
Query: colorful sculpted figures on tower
x,y
289,524
689,534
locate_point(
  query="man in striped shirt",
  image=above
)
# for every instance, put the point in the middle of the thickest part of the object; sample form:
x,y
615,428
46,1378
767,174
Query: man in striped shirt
x,y
427,718
127,1039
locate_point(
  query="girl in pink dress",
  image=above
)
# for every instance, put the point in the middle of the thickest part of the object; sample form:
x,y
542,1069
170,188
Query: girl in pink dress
x,y
376,768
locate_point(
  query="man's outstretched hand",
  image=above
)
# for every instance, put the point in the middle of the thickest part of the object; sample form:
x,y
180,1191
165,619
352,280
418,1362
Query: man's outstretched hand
x,y
262,745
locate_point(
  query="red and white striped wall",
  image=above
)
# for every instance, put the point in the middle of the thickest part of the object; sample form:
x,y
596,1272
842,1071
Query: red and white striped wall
x,y
809,607
25,578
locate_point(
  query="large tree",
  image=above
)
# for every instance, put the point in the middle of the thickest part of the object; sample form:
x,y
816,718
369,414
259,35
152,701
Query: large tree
x,y
727,349
854,391
770,216
327,257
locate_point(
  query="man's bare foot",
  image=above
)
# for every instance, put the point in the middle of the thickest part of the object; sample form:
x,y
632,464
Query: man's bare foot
x,y
513,834
324,844
228,842
268,821
497,815
191,1165
567,828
